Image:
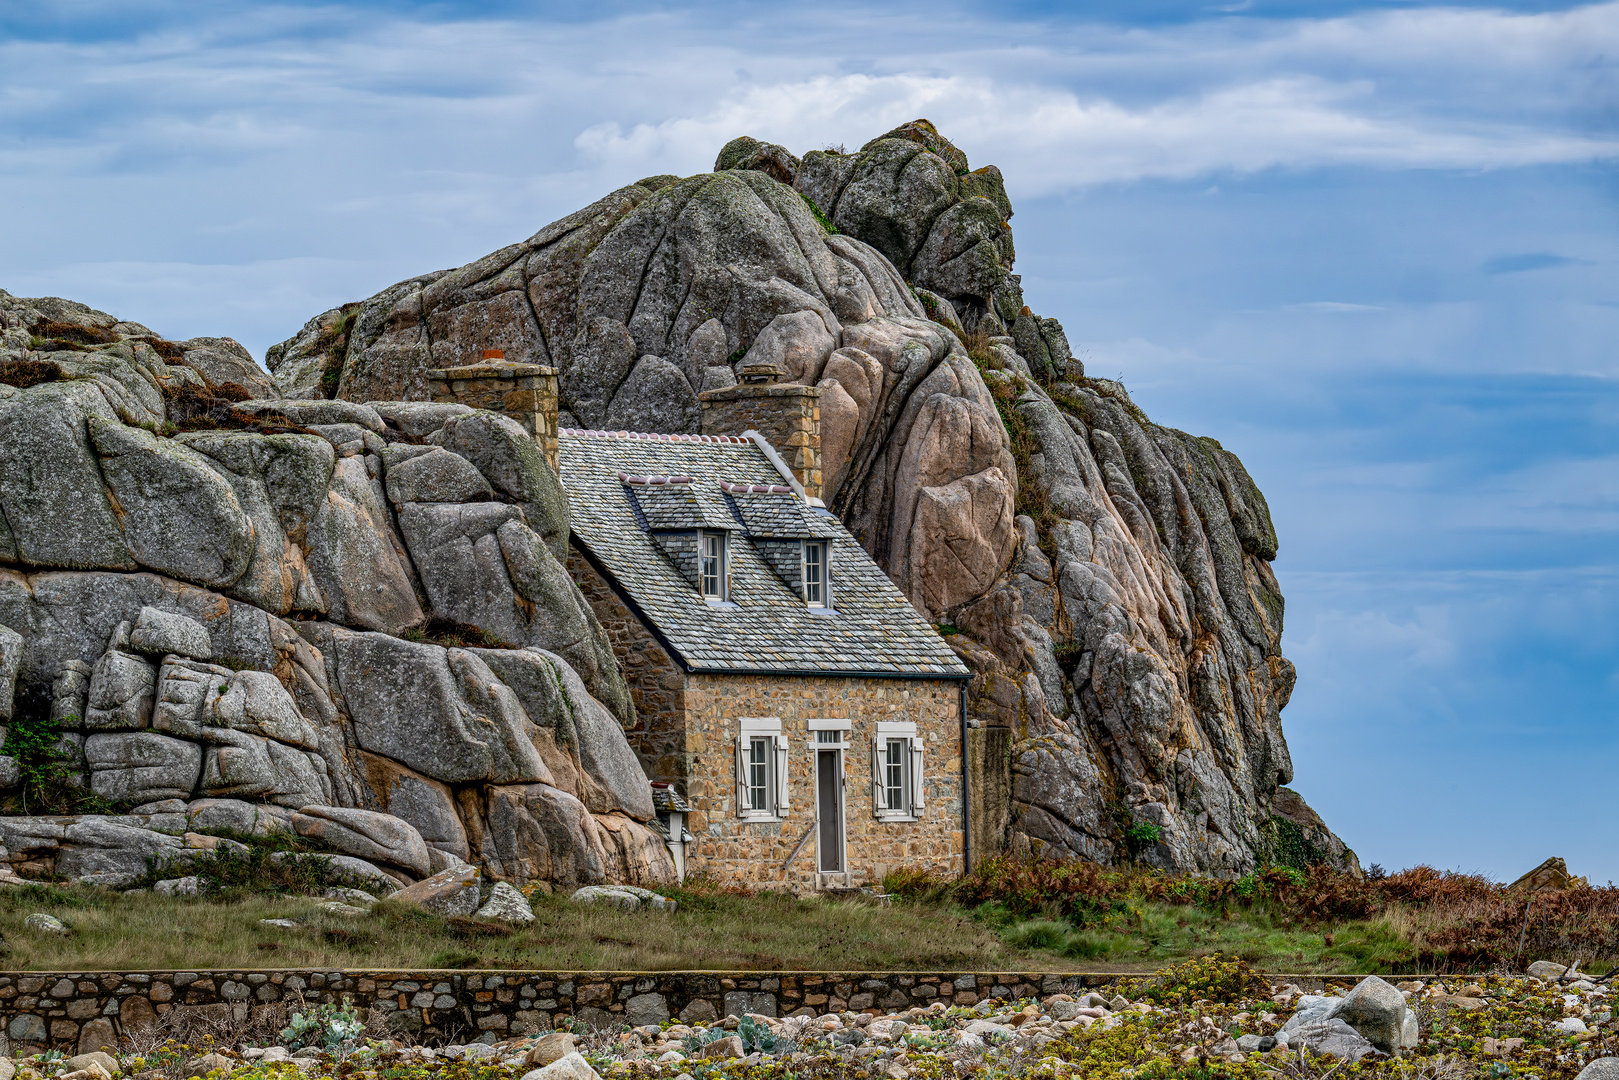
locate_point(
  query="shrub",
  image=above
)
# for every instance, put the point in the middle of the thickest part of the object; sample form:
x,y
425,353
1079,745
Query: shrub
x,y
1202,978
25,373
49,784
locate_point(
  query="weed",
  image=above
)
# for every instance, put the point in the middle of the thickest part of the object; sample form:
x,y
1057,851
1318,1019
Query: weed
x,y
49,784
456,635
278,863
25,373
59,335
1201,978
1141,836
821,219
326,1026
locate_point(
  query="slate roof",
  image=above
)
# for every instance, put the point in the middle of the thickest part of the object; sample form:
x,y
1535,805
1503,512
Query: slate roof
x,y
767,627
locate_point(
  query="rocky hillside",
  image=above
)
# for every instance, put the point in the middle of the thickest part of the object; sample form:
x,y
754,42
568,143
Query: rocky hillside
x,y
1109,579
232,608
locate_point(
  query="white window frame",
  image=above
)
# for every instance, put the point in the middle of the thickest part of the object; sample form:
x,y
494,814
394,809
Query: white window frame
x,y
824,566
723,579
765,730
912,779
829,734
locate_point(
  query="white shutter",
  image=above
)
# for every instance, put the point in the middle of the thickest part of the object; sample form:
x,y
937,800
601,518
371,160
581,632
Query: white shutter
x,y
916,775
781,776
741,775
877,805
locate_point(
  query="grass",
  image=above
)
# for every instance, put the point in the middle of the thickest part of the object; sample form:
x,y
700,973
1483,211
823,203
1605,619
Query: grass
x,y
1010,914
1165,932
712,930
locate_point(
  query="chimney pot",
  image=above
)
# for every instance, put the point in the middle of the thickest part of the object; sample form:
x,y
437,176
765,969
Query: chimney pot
x,y
494,354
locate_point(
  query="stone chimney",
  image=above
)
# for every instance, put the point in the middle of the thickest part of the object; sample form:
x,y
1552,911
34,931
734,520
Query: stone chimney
x,y
787,415
525,392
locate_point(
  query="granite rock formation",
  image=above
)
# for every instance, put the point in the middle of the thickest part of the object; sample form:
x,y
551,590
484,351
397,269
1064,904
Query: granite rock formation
x,y
342,619
1109,578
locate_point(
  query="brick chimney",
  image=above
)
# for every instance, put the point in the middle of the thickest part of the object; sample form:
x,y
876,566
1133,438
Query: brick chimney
x,y
527,393
786,415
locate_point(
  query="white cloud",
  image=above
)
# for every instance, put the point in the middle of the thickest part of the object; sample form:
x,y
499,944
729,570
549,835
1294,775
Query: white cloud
x,y
1050,140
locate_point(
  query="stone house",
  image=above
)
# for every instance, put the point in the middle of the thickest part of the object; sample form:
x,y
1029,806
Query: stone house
x,y
786,690
800,723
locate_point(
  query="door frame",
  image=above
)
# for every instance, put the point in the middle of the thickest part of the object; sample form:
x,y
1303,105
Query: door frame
x,y
825,877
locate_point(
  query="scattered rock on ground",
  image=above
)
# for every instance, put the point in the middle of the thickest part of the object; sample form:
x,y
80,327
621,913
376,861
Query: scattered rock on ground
x,y
628,897
570,1066
507,905
450,892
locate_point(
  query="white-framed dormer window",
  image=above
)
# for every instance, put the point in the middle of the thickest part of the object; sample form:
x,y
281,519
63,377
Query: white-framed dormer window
x,y
896,771
712,571
761,769
817,583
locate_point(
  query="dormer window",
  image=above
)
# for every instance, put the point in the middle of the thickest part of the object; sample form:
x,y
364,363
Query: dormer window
x,y
816,593
712,575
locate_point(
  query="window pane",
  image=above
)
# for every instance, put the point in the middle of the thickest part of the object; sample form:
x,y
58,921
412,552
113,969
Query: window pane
x,y
814,593
713,568
894,774
758,773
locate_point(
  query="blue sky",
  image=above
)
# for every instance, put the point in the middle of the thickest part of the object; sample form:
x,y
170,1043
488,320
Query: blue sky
x,y
1371,247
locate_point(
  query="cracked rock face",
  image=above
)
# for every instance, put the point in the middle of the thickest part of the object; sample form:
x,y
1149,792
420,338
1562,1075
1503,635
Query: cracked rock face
x,y
667,288
225,602
1111,577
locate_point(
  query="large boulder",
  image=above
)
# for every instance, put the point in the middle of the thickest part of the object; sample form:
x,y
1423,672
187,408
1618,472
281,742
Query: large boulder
x,y
440,712
281,482
160,632
10,660
1377,1011
52,495
142,766
223,361
366,834
427,804
449,892
581,742
180,517
1331,1037
357,558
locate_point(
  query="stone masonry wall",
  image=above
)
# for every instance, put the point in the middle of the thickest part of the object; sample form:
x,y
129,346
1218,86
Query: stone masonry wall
x,y
685,733
786,414
732,849
657,684
527,393
82,1011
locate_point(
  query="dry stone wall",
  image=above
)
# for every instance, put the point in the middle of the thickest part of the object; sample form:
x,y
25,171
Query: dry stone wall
x,y
83,1011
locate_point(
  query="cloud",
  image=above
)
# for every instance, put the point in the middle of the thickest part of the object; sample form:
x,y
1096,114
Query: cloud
x,y
1052,140
1514,264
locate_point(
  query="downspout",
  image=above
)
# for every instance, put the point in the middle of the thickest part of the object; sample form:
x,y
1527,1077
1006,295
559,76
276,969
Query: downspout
x,y
966,793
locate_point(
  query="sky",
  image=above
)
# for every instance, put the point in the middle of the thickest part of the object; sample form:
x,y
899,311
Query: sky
x,y
1370,247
